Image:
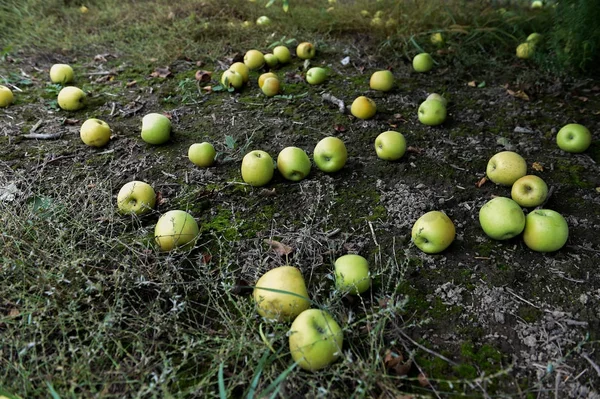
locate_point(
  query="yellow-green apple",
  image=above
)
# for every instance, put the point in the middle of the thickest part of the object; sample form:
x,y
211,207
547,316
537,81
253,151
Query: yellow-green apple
x,y
265,76
271,87
439,97
501,218
391,23
363,107
525,50
257,168
271,60
246,24
433,232
537,4
263,20
71,98
293,163
136,197
390,145
330,154
545,230
382,80
202,154
437,39
242,69
156,128
534,38
574,138
95,132
305,50
377,22
378,14
315,339
432,112
6,96
352,274
365,13
283,54
506,167
529,191
254,59
281,294
422,62
61,73
175,229
316,75
232,79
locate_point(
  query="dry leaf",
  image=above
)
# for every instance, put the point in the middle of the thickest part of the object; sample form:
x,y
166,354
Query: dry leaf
x,y
279,248
584,99
71,122
131,83
481,182
394,362
339,128
414,150
161,73
160,199
518,94
203,76
14,312
423,380
472,83
537,166
207,88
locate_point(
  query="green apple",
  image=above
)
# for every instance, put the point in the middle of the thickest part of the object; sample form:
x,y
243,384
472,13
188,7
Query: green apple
x,y
263,20
534,38
281,294
316,75
330,154
71,98
545,230
156,128
525,50
574,138
377,22
363,107
501,218
432,112
315,339
283,54
433,232
352,274
529,191
175,229
436,96
423,62
506,167
242,69
232,79
136,197
382,80
265,76
391,23
257,168
271,60
254,59
61,73
293,163
271,87
202,154
537,4
6,96
365,13
378,14
95,132
437,39
390,145
305,50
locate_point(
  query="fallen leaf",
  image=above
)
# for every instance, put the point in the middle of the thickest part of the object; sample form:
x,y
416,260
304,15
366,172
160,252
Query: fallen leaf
x,y
472,83
518,94
71,122
481,182
339,128
279,248
584,99
394,362
161,73
537,167
14,312
160,199
423,380
203,76
131,83
414,150
207,88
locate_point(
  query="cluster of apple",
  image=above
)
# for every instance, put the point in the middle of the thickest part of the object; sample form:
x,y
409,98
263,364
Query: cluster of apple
x,y
527,49
315,338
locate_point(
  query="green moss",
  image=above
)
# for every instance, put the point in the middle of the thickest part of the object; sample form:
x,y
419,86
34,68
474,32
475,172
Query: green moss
x,y
571,174
529,314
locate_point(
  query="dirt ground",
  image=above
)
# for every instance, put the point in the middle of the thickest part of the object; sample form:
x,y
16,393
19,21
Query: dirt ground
x,y
494,307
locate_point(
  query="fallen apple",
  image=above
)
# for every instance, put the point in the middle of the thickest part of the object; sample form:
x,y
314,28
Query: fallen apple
x,y
352,274
382,80
433,232
501,218
537,4
156,128
242,69
271,87
574,138
232,79
281,294
316,75
506,167
390,145
202,154
271,60
330,154
529,191
257,168
176,229
136,197
6,96
525,50
293,163
545,230
95,132
71,98
265,76
254,59
315,339
61,73
534,38
263,20
305,51
432,112
283,54
437,38
363,107
439,97
422,62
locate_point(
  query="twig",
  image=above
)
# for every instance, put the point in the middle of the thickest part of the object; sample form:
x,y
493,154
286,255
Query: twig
x,y
444,358
590,361
36,126
521,298
43,136
336,101
112,109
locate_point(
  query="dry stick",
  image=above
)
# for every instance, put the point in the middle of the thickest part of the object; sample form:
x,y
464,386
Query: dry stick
x,y
42,136
594,365
36,126
336,101
427,349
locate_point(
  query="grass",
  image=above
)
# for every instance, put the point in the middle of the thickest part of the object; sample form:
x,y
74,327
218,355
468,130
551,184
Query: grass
x,y
91,309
